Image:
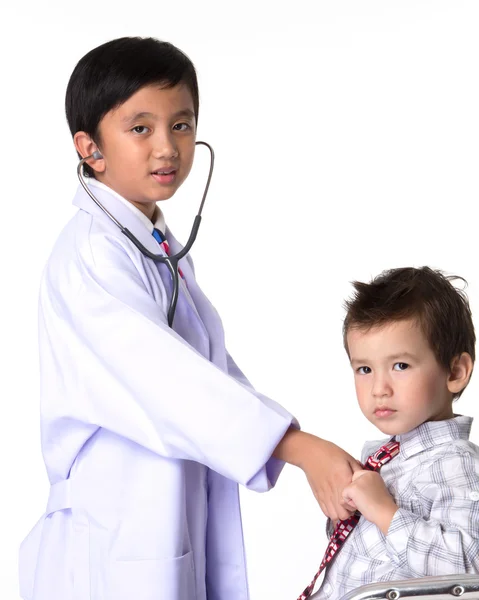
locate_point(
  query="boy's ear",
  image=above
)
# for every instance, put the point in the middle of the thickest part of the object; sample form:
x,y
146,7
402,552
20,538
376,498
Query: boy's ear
x,y
461,370
85,147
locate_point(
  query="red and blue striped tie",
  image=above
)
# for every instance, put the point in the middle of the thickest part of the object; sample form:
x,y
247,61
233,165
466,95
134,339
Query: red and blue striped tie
x,y
160,238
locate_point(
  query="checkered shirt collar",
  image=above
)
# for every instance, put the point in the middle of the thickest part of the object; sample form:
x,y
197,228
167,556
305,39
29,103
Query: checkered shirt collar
x,y
433,433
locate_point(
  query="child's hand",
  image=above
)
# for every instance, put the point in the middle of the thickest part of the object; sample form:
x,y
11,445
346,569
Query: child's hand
x,y
328,468
369,494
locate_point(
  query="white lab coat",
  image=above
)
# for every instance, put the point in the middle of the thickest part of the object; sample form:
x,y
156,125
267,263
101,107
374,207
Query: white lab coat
x,y
146,432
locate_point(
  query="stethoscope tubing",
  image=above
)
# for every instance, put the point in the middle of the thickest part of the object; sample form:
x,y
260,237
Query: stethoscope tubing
x,y
170,261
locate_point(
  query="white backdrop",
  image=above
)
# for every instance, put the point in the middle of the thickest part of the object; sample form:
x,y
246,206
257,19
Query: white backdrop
x,y
347,141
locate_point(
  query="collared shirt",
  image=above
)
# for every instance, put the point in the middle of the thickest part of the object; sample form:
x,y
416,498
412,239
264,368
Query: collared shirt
x,y
435,531
158,217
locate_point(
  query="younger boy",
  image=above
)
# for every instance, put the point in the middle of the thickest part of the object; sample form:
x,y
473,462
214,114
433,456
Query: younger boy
x,y
410,340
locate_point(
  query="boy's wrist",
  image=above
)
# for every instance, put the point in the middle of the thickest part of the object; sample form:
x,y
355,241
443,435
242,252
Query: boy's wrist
x,y
292,448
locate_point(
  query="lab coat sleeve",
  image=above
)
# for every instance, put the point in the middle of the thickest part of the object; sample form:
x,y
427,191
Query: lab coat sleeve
x,y
446,541
273,466
236,372
122,368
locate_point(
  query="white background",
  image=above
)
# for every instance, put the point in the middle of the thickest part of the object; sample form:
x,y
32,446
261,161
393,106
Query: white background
x,y
347,142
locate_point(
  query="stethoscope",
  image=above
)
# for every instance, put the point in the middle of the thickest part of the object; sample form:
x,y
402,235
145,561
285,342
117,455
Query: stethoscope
x,y
170,261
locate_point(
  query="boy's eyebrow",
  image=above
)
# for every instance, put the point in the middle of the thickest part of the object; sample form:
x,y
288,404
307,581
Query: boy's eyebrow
x,y
187,112
364,361
401,355
139,115
359,361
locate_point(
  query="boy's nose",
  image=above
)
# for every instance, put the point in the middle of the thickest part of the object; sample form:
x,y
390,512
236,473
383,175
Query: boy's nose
x,y
381,387
165,147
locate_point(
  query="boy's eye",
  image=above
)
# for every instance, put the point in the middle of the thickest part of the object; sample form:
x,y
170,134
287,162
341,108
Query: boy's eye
x,y
363,370
400,366
181,126
141,129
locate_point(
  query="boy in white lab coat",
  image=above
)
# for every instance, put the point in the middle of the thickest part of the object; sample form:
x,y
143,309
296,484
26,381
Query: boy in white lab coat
x,y
410,339
146,430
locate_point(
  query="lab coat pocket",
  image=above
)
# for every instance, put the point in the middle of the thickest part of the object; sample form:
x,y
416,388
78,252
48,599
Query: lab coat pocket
x,y
154,579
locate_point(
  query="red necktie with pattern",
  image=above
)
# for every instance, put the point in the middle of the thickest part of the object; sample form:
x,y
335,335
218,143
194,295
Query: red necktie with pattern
x,y
344,528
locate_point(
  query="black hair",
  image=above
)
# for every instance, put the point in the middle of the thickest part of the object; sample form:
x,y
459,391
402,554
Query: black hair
x,y
111,73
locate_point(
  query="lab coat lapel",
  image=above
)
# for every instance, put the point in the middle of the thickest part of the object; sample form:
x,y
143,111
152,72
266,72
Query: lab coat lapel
x,y
122,213
203,332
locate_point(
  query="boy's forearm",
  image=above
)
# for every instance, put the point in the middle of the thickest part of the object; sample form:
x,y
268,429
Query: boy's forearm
x,y
292,448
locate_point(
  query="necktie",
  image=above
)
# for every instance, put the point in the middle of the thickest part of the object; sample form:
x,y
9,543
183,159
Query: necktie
x,y
160,238
344,528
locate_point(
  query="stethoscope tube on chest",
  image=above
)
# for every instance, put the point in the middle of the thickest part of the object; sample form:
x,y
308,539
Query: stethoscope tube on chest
x,y
170,261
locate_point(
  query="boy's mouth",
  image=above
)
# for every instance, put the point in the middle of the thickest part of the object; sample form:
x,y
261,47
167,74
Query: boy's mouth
x,y
383,412
165,175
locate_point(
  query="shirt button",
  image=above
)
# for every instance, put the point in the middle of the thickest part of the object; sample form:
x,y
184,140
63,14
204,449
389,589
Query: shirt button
x,y
327,588
474,496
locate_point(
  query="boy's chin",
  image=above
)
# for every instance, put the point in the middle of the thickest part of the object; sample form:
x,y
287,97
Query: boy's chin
x,y
389,427
395,428
388,430
164,195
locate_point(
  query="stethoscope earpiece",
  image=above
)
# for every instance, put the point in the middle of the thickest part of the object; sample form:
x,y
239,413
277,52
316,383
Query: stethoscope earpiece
x,y
97,155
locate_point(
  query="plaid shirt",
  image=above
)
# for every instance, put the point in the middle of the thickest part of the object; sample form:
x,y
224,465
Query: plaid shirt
x,y
435,531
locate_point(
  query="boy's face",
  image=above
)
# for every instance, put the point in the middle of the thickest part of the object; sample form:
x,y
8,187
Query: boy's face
x,y
148,145
399,382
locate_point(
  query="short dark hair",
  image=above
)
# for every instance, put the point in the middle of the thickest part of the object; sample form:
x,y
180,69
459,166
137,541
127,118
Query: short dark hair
x,y
111,73
424,294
